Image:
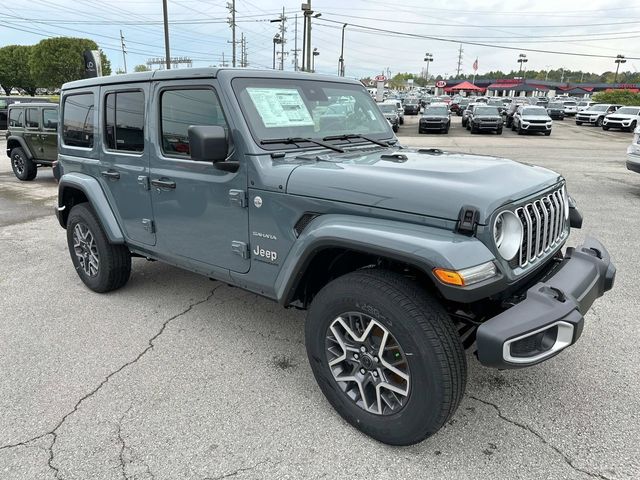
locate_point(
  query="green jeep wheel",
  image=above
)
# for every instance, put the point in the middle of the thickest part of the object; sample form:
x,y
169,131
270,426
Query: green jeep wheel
x,y
23,167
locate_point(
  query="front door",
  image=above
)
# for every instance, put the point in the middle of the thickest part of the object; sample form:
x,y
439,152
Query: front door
x,y
124,159
32,132
194,214
49,133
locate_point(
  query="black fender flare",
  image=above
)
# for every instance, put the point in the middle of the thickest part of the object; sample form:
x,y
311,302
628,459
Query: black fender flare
x,y
22,143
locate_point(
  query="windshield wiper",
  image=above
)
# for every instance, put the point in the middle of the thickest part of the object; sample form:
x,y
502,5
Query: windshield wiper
x,y
349,136
296,140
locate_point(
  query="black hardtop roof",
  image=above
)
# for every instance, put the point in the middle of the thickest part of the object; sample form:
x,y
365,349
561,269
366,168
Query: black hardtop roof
x,y
208,72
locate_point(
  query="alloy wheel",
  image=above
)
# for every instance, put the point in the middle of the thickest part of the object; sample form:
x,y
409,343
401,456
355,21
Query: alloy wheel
x,y
368,363
18,163
86,249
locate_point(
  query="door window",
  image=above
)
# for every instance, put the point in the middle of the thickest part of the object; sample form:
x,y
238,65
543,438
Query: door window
x,y
15,117
179,109
32,118
124,121
77,120
50,119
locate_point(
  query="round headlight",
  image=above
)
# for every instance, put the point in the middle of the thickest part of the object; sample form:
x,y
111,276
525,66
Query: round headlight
x,y
507,234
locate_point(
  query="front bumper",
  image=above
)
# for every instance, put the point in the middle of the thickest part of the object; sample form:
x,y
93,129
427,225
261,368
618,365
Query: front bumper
x,y
617,123
536,127
551,316
432,125
586,119
487,125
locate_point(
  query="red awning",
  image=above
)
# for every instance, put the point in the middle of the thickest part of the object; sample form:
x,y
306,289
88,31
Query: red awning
x,y
465,86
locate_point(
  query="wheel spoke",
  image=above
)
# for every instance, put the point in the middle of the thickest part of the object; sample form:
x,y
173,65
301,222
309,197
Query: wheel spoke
x,y
356,345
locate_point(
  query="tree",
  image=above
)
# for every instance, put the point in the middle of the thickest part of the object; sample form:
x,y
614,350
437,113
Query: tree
x,y
55,61
141,68
15,69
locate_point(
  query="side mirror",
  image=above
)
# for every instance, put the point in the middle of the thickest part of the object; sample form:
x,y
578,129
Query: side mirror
x,y
208,143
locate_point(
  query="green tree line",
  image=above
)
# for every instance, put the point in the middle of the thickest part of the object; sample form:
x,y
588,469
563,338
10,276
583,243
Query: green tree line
x,y
47,64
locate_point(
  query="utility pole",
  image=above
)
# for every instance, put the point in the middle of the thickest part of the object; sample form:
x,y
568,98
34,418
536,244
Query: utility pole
x,y
619,59
306,47
124,51
341,59
459,61
295,45
232,23
167,52
281,36
428,58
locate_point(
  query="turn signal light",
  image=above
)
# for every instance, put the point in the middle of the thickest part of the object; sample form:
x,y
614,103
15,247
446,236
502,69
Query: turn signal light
x,y
449,277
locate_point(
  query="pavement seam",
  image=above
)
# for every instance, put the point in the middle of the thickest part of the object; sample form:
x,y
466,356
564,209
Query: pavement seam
x,y
568,460
123,446
238,471
150,345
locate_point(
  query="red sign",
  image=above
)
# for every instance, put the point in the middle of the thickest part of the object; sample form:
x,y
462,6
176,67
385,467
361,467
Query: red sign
x,y
380,78
441,84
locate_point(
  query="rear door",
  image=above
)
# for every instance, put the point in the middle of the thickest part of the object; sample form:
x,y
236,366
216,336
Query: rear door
x,y
32,132
49,134
124,158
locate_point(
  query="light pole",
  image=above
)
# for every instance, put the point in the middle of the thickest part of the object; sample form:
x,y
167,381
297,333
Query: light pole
x,y
522,59
313,59
276,40
619,59
341,59
428,58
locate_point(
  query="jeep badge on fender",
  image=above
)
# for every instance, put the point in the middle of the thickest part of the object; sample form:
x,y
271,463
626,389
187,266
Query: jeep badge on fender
x,y
392,251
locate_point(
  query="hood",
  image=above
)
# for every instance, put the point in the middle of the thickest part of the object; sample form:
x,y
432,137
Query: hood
x,y
542,116
430,184
625,116
593,112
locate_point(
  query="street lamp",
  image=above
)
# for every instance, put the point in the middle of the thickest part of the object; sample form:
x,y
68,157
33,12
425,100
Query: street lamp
x,y
341,59
522,59
313,59
276,40
619,59
428,58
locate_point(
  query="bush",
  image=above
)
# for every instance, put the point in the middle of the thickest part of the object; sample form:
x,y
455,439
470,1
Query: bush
x,y
621,97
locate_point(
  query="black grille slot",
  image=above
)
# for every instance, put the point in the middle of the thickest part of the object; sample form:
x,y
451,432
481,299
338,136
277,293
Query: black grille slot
x,y
302,222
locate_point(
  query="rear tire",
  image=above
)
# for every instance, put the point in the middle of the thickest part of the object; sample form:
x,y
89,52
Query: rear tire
x,y
415,322
23,167
100,265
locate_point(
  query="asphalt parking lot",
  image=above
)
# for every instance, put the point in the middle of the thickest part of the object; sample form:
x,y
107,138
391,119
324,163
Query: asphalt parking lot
x,y
178,377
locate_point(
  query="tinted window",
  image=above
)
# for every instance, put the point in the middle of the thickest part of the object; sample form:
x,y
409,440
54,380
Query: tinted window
x,y
486,111
628,111
182,108
77,121
32,118
436,111
534,111
124,121
388,108
50,118
15,117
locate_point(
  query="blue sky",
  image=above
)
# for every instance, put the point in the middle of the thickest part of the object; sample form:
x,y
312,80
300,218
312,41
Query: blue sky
x,y
200,31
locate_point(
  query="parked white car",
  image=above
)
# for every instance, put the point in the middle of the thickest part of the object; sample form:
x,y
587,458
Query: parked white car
x,y
625,118
585,105
399,108
570,107
595,115
530,118
633,152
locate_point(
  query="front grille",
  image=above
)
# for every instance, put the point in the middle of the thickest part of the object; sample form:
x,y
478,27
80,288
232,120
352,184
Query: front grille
x,y
543,226
537,121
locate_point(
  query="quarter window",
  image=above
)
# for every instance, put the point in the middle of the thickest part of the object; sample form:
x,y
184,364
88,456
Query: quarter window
x,y
15,117
182,108
124,121
32,118
50,118
77,120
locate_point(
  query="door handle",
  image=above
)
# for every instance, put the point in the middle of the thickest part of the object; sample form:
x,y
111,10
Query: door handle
x,y
164,184
110,174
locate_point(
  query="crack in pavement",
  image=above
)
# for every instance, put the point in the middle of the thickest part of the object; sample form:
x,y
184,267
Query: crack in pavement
x,y
123,446
150,345
238,471
568,460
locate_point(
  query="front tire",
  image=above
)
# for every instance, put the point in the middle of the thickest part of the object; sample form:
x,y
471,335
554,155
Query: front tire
x,y
100,265
388,316
599,122
23,167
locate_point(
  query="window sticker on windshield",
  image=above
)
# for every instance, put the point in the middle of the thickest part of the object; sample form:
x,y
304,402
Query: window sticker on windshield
x,y
280,107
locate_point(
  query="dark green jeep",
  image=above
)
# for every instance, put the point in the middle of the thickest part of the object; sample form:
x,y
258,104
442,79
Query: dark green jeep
x,y
32,137
294,186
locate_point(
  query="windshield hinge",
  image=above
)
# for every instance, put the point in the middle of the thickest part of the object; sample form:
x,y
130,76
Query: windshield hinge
x,y
238,198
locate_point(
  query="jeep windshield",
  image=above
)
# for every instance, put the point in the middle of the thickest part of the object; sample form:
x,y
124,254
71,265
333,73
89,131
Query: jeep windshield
x,y
437,111
279,108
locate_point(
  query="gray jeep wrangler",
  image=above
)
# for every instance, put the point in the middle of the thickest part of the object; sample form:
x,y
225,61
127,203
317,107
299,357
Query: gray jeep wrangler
x,y
293,186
